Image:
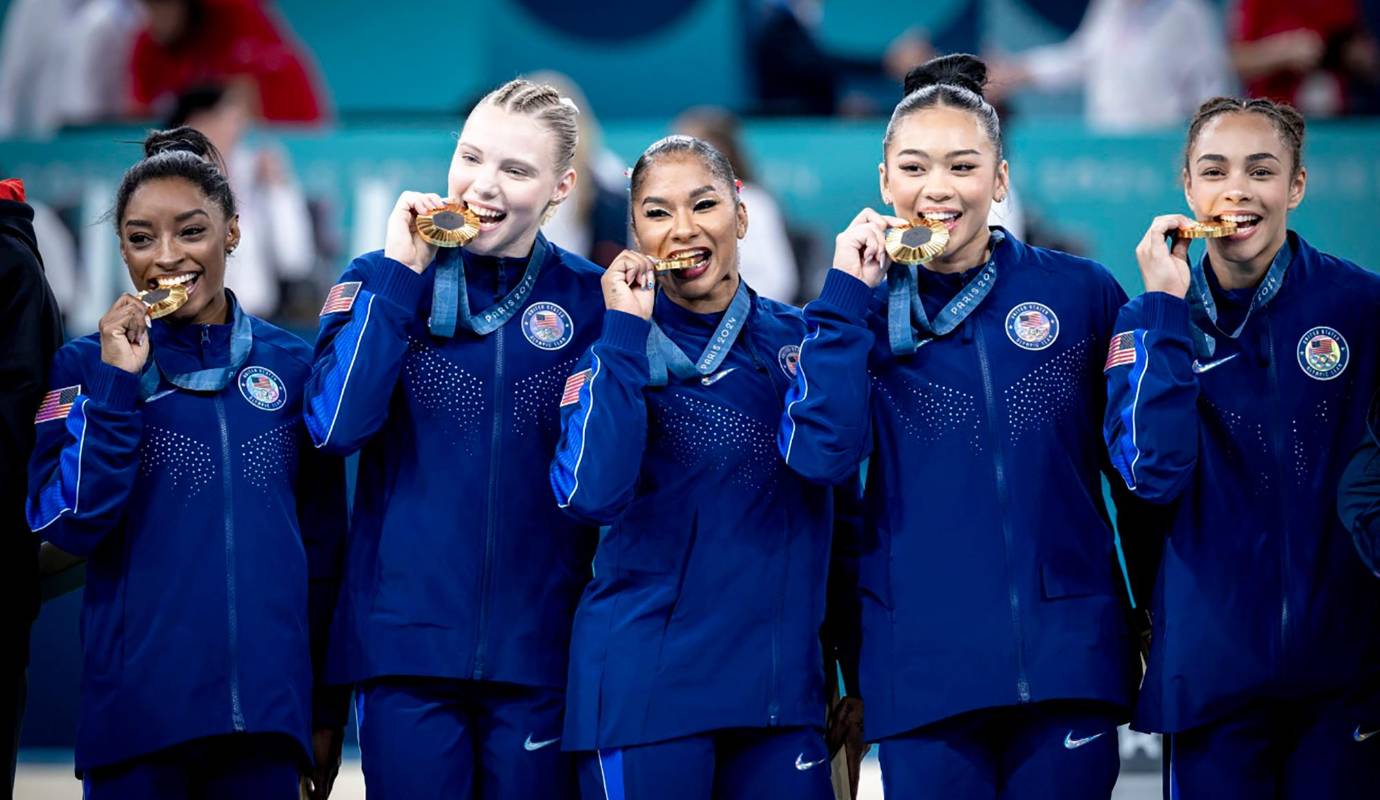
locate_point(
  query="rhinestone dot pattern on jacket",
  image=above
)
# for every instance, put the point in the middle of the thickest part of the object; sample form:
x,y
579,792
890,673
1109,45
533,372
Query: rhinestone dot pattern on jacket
x,y
1046,394
184,462
710,438
271,457
444,390
929,412
536,401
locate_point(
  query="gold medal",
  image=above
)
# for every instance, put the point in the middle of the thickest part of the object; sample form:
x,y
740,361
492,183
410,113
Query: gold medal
x,y
452,225
1207,229
164,300
917,242
671,264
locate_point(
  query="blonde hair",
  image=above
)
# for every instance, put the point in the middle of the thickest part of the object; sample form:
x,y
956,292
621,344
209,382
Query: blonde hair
x,y
558,114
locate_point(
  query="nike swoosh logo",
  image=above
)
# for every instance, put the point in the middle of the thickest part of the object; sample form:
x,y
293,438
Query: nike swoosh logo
x,y
1073,744
1199,367
159,395
802,765
1361,737
710,380
530,745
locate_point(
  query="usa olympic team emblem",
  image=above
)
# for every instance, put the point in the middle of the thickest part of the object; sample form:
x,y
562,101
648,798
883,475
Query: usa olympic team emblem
x,y
1032,326
546,325
264,390
1323,353
788,357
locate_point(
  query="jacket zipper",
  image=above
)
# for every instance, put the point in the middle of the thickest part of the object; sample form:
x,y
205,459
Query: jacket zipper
x,y
1003,505
1277,437
491,510
232,609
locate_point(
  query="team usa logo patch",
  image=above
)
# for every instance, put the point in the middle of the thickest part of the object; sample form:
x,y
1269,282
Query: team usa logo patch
x,y
788,357
57,404
264,390
341,297
1323,353
1032,326
546,325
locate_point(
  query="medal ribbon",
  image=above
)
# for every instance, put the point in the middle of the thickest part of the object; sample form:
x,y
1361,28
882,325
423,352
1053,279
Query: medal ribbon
x,y
1202,308
905,312
450,302
212,379
664,355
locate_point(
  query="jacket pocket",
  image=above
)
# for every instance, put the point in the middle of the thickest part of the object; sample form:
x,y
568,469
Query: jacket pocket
x,y
1061,581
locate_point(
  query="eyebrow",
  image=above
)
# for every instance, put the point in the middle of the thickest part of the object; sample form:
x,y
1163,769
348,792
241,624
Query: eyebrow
x,y
911,151
1221,159
696,193
183,217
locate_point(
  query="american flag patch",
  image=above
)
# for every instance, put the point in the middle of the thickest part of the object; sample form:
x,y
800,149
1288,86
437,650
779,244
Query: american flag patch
x,y
573,385
1121,351
341,297
546,319
57,404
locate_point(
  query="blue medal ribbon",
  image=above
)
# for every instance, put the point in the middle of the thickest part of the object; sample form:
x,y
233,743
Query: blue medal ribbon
x,y
1202,308
664,355
905,312
450,302
211,379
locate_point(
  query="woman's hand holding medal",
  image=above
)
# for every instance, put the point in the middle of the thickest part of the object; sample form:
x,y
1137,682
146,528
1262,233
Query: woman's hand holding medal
x,y
125,334
1164,269
860,250
403,243
630,283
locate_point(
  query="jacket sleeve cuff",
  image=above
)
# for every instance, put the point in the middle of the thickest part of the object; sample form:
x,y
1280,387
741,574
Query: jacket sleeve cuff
x,y
625,331
1165,312
397,282
847,293
114,388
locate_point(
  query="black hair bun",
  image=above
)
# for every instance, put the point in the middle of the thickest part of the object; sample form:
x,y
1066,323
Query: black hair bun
x,y
958,69
183,139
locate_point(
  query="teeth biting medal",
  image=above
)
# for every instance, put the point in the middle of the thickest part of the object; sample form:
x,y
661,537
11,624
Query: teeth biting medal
x,y
679,262
916,242
452,225
1207,229
165,299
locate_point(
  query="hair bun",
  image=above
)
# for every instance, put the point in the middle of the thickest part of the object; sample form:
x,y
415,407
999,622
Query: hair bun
x,y
964,70
183,139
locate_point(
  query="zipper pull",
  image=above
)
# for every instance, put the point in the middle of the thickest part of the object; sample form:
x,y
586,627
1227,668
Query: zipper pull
x,y
205,334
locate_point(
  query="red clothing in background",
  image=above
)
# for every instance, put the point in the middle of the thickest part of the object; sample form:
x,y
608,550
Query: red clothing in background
x,y
1256,19
233,39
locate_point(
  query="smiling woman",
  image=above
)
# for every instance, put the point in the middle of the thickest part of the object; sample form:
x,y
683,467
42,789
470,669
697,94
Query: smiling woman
x,y
192,530
446,367
695,661
1237,387
995,655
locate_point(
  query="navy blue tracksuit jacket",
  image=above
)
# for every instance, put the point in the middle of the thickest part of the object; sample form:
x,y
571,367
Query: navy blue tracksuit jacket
x,y
459,564
213,532
1260,594
708,593
986,566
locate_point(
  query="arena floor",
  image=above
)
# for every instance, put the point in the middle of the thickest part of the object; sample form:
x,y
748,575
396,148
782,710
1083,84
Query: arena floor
x,y
46,775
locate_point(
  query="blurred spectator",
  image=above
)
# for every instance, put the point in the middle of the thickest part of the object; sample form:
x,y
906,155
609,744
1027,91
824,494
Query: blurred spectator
x,y
1143,64
32,332
276,242
767,262
64,62
189,43
593,221
795,75
1314,55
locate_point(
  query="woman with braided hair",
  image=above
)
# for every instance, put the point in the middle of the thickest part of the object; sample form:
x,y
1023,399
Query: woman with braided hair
x,y
1238,385
444,367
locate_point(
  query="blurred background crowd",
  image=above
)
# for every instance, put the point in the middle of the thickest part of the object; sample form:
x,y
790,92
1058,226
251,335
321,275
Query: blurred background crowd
x,y
326,111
